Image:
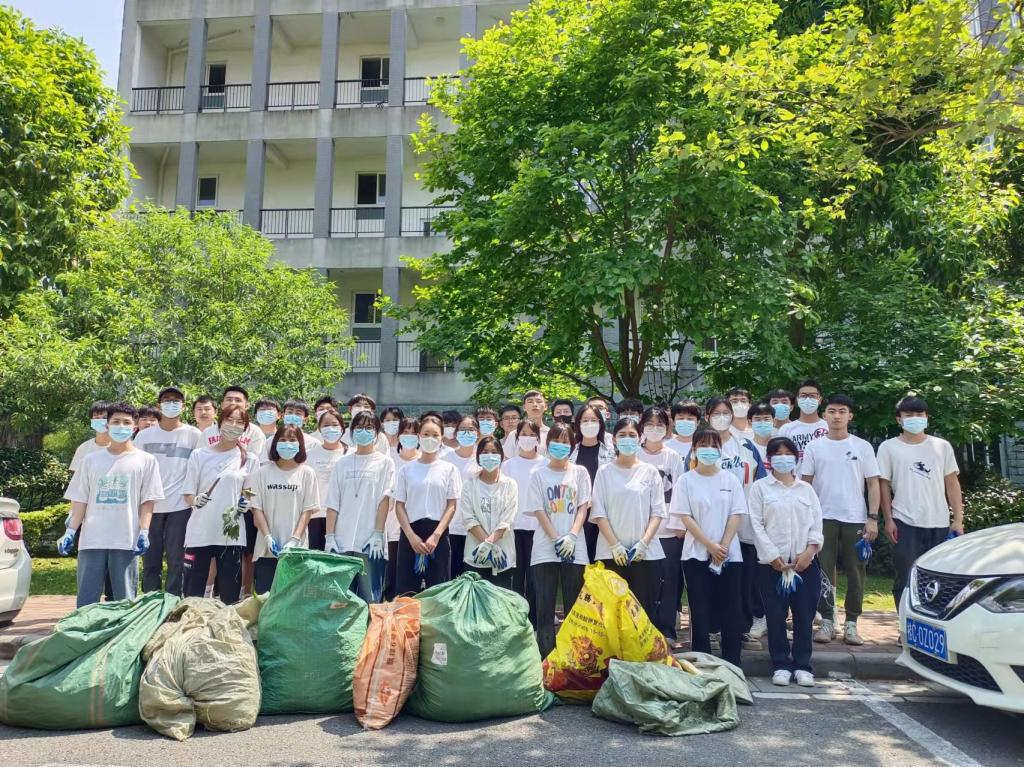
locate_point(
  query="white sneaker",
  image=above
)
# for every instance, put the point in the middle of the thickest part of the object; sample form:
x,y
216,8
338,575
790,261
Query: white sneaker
x,y
749,643
826,632
758,628
850,634
781,678
805,678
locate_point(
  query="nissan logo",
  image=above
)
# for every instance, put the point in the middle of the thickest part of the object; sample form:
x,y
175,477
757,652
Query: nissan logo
x,y
931,591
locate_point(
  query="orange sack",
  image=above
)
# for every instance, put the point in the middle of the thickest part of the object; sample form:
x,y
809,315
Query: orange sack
x,y
386,668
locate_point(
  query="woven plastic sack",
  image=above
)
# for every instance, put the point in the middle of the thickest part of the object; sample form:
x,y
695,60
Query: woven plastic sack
x,y
606,622
386,670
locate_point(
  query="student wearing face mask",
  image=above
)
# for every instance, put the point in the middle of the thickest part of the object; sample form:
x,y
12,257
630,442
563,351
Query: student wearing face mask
x,y
783,404
561,411
407,452
740,401
489,507
467,434
322,459
654,427
593,450
601,404
631,409
786,518
426,495
98,423
809,426
358,499
356,405
296,413
450,419
762,423
628,505
390,421
558,498
488,420
285,496
253,440
204,412
709,503
268,416
520,467
686,416
214,487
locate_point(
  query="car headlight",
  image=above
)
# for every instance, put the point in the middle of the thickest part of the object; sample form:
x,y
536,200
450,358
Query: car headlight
x,y
1005,597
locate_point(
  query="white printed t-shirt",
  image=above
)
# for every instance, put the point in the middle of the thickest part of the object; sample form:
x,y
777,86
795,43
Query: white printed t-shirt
x,y
559,495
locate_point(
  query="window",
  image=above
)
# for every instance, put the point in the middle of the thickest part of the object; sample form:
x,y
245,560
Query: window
x,y
375,71
370,188
207,196
216,77
365,317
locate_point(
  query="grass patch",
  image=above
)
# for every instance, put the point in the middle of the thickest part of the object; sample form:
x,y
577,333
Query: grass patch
x,y
57,575
877,593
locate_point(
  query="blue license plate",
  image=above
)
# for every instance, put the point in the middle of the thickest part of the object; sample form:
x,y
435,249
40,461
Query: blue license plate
x,y
927,639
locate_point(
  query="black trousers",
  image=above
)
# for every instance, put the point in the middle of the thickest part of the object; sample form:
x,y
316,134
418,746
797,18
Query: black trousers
x,y
250,533
317,532
458,544
229,571
670,592
715,600
912,542
802,603
389,571
502,579
521,579
166,536
439,566
644,579
753,603
591,533
264,570
545,578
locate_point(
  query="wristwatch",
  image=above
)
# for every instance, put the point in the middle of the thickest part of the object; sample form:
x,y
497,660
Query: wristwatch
x,y
873,517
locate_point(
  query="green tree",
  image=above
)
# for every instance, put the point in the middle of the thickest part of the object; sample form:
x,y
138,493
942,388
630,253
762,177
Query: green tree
x,y
63,162
164,298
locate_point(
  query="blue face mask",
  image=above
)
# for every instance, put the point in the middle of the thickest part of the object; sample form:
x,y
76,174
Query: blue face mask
x,y
762,428
784,464
364,437
487,427
331,433
914,424
685,428
466,438
628,445
559,451
99,425
293,419
782,411
489,461
266,417
121,433
287,450
709,456
409,441
808,405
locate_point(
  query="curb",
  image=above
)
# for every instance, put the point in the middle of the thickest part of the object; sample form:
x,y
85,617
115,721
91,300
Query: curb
x,y
10,645
863,665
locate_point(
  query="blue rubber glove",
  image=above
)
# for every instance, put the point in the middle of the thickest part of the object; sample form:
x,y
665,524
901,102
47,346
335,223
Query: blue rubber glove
x,y
864,550
482,554
639,551
375,546
789,579
242,505
498,558
66,542
419,565
142,542
952,534
275,547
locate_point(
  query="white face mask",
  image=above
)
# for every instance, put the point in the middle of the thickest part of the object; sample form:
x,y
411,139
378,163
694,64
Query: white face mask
x,y
721,422
449,432
430,444
527,443
654,433
170,408
740,409
390,428
590,429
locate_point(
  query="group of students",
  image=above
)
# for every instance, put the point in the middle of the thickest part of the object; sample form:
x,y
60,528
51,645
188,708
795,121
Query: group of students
x,y
732,503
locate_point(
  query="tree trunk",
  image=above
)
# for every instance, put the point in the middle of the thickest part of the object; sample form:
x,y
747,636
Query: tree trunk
x,y
27,441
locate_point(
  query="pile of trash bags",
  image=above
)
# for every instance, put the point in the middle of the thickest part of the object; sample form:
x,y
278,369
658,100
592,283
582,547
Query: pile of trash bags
x,y
459,652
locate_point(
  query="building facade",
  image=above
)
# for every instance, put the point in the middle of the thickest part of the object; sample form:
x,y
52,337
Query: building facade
x,y
295,116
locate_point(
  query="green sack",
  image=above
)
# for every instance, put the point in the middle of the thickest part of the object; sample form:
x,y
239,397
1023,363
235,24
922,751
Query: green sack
x,y
712,665
478,657
665,700
310,632
86,673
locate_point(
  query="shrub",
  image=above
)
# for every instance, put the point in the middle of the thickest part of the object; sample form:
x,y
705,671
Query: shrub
x,y
993,501
34,478
44,528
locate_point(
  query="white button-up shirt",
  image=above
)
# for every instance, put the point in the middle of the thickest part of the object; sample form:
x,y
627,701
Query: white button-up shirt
x,y
785,519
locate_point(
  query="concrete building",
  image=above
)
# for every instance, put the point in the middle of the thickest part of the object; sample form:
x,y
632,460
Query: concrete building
x,y
295,115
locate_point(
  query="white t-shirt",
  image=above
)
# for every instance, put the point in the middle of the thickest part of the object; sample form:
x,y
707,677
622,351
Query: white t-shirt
x,y
710,501
918,477
171,450
520,469
559,495
467,468
839,468
508,445
113,489
322,462
253,440
206,466
742,434
84,450
381,445
683,448
283,497
669,465
426,488
391,526
357,485
628,499
762,452
802,434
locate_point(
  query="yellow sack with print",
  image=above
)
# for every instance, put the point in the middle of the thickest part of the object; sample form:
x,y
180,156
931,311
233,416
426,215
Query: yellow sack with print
x,y
606,622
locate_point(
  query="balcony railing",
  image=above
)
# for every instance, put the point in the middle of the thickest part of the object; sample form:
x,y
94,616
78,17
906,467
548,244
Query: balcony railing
x,y
357,222
224,98
286,222
418,89
412,360
361,93
364,357
419,222
234,213
169,99
298,95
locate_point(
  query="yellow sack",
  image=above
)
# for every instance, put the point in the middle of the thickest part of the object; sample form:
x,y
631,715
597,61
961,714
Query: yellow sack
x,y
606,622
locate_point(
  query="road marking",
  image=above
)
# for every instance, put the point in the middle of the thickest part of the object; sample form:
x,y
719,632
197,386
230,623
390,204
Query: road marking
x,y
940,748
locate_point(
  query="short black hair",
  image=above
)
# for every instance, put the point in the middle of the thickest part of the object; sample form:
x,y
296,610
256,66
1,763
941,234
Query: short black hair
x,y
326,399
630,405
265,403
714,402
485,410
203,399
407,424
779,442
364,397
364,419
397,412
170,390
534,426
624,423
737,391
810,382
653,413
489,441
99,406
510,406
562,430
841,399
588,408
297,404
533,393
451,416
689,407
707,434
147,411
782,394
562,401
240,389
761,408
122,407
911,404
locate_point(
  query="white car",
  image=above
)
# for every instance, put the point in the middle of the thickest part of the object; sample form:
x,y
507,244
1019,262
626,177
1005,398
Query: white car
x,y
15,563
962,616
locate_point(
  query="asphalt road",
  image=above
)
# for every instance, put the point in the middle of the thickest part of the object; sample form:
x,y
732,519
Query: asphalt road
x,y
837,724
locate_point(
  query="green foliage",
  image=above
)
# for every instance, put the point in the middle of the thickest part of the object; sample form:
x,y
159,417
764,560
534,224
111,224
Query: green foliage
x,y
62,152
33,478
995,501
56,576
167,298
43,528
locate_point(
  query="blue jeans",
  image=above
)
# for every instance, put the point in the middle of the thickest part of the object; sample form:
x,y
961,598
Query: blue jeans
x,y
802,603
95,565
